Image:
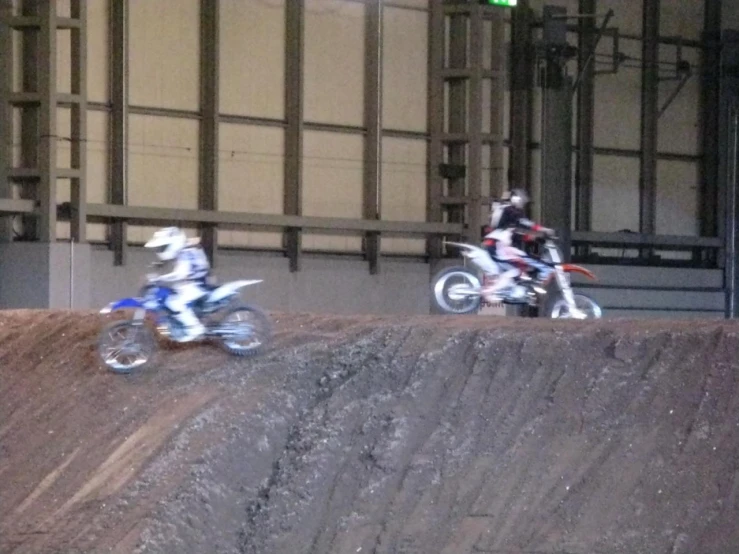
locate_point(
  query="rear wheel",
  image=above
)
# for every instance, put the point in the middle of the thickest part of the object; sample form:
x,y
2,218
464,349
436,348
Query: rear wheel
x,y
244,331
456,290
124,346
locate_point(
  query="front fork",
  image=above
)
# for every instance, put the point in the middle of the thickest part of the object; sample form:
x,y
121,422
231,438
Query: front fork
x,y
139,316
564,286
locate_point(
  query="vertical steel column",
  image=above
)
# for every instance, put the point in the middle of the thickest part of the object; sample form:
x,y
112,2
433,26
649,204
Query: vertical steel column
x,y
435,122
30,114
209,99
47,162
728,165
293,200
79,123
373,124
118,78
457,113
556,147
498,64
519,172
709,119
649,117
474,126
6,119
585,114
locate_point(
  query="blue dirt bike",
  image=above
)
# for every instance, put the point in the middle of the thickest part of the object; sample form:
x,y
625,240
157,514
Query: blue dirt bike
x,y
125,345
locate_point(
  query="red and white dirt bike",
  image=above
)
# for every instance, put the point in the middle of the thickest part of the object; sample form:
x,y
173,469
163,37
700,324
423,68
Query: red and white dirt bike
x,y
459,289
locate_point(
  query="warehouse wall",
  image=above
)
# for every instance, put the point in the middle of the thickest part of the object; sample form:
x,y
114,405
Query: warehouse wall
x,y
164,48
163,142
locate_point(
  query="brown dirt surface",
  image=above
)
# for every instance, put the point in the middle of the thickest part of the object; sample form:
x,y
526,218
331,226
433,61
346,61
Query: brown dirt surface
x,y
426,434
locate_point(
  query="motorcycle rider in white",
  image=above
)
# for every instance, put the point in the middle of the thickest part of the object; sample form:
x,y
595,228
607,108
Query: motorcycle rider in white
x,y
505,218
187,278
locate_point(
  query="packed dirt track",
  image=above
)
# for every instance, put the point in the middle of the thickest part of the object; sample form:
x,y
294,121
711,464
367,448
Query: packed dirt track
x,y
425,434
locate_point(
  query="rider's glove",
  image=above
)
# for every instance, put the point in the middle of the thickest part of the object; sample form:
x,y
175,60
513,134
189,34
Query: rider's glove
x,y
548,232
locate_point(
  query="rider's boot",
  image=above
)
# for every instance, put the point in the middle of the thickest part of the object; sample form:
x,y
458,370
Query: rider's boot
x,y
192,328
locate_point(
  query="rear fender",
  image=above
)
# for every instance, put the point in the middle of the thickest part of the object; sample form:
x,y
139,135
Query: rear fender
x,y
229,289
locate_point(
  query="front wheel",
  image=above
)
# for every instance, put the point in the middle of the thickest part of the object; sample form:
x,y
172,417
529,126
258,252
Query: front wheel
x,y
244,331
456,290
557,307
124,346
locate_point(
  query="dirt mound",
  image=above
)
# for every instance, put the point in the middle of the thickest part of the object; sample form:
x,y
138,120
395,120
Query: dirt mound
x,y
367,434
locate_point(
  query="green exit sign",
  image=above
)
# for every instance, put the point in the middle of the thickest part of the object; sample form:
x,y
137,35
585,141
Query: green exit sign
x,y
509,3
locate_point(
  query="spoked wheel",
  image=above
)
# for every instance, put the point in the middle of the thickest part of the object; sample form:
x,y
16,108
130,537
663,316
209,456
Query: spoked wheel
x,y
124,346
244,331
456,290
558,308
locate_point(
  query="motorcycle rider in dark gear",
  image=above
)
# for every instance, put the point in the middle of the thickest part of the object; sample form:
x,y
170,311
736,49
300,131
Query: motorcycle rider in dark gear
x,y
507,217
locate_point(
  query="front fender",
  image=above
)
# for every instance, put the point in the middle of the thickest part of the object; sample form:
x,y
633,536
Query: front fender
x,y
124,303
571,268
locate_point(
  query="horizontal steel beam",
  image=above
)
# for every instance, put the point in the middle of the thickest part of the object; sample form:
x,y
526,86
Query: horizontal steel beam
x,y
146,215
636,239
258,121
11,206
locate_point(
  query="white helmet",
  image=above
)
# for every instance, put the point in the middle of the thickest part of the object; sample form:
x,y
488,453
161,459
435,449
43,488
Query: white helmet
x,y
519,198
168,242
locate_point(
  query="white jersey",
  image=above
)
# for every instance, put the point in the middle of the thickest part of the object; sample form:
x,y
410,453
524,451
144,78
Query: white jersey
x,y
191,264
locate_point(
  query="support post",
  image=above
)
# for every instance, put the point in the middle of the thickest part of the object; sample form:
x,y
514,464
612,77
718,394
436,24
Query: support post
x,y
47,138
474,126
6,119
649,119
709,196
295,29
585,114
435,117
118,24
519,172
209,95
373,125
78,191
457,114
556,152
728,166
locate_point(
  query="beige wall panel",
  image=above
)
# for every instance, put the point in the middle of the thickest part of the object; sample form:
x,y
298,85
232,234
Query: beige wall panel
x,y
679,125
64,61
251,175
162,165
64,132
332,184
615,194
405,63
334,62
63,189
730,15
97,167
423,4
63,8
684,19
164,48
677,198
403,195
98,52
627,14
617,104
252,53
16,38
